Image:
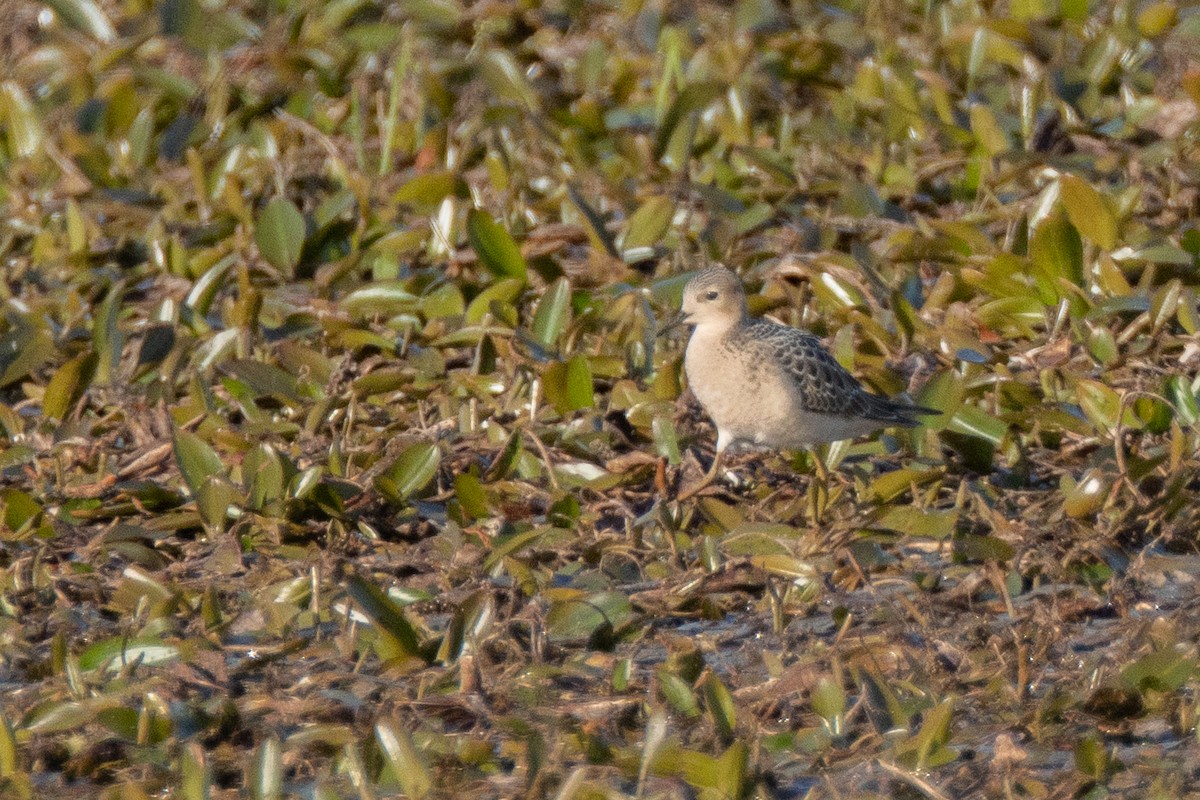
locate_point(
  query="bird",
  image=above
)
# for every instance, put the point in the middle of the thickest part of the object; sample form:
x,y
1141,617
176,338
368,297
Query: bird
x,y
770,385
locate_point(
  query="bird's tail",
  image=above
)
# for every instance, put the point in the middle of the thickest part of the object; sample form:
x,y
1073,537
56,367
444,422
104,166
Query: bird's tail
x,y
894,412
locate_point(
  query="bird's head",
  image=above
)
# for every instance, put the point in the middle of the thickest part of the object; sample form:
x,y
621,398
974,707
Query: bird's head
x,y
714,297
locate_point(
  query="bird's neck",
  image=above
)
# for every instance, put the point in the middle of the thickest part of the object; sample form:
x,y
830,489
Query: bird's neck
x,y
718,329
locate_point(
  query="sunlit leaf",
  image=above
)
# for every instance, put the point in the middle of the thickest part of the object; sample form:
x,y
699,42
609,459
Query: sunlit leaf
x,y
115,653
1163,670
552,314
693,99
23,129
649,223
411,472
266,771
1089,211
279,234
196,459
387,617
1100,403
593,617
1056,250
402,757
68,385
86,17
495,246
720,706
1157,18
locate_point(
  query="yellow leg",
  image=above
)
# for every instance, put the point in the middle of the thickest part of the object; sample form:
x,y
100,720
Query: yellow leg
x,y
704,482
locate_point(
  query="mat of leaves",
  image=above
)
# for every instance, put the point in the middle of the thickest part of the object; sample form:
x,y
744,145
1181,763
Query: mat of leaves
x,y
339,453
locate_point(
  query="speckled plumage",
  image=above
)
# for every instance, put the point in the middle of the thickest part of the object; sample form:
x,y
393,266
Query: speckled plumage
x,y
768,384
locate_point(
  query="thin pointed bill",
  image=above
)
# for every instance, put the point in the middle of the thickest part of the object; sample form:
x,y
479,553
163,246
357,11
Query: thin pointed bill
x,y
672,322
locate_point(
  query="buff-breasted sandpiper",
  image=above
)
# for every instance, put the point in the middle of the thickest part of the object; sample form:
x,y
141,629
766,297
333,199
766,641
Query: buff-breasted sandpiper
x,y
771,385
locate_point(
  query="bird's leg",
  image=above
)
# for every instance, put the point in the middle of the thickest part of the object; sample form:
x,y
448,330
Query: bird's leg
x,y
704,482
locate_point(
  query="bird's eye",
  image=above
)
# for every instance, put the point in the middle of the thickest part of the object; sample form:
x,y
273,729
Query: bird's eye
x,y
711,296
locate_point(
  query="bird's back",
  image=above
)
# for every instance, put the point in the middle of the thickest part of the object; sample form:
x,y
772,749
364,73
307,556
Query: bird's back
x,y
822,385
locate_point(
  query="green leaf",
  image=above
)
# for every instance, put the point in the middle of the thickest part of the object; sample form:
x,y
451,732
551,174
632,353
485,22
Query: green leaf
x,y
719,703
115,653
987,130
77,229
471,496
1056,251
266,781
68,385
23,350
666,443
411,472
265,380
86,17
279,233
945,392
507,79
195,775
442,14
890,485
196,459
720,778
1163,670
495,246
213,500
593,617
974,421
1187,405
428,189
20,509
1089,211
928,748
1091,757
568,386
552,314
1101,404
401,756
678,694
380,299
8,749
913,521
502,293
693,99
883,704
505,546
22,126
1086,496
1157,18
580,391
205,289
1165,304
649,223
829,699
982,548
107,341
401,643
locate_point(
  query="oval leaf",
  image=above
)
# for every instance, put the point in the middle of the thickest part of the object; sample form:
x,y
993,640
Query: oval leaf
x,y
413,471
279,234
495,246
197,460
1089,211
552,313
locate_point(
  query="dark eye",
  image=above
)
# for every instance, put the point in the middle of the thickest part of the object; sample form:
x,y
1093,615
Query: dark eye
x,y
711,295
